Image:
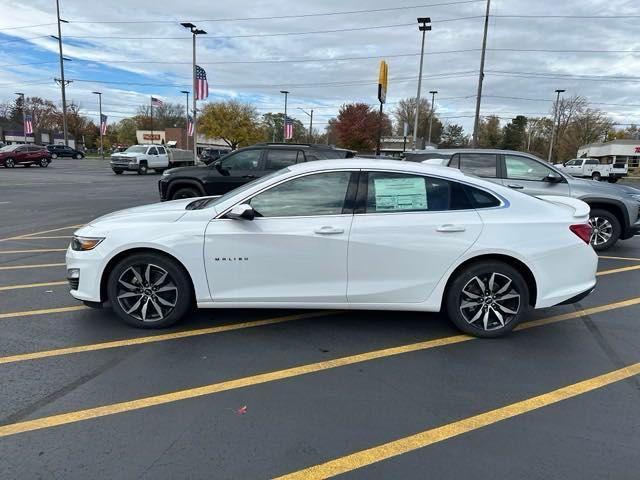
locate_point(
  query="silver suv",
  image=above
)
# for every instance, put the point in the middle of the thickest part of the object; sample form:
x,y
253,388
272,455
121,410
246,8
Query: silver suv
x,y
614,208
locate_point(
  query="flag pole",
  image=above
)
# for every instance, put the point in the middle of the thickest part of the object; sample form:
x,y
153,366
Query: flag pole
x,y
195,97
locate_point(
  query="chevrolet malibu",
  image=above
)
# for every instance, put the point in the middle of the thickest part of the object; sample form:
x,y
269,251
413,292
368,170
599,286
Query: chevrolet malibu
x,y
342,234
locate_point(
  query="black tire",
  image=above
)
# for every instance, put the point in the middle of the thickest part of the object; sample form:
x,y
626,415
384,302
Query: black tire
x,y
477,303
78,156
118,172
54,155
9,163
44,163
178,293
186,192
606,229
596,176
142,168
612,179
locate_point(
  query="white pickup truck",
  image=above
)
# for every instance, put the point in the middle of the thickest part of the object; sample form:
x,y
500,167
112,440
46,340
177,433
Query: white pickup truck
x,y
592,168
141,158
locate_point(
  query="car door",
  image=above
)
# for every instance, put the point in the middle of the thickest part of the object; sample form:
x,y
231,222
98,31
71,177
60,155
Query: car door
x,y
294,250
162,160
152,157
407,231
34,153
528,176
235,169
22,155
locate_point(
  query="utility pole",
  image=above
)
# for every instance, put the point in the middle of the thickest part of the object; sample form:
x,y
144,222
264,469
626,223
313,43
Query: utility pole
x,y
194,32
186,92
24,116
310,123
62,82
433,106
100,122
556,118
476,123
424,28
284,122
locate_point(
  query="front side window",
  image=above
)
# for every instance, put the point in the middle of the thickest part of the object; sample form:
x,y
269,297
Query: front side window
x,y
161,150
480,164
311,195
523,168
245,160
400,192
152,151
277,159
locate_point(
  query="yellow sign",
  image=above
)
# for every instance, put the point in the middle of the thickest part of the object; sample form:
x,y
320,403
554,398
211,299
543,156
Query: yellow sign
x,y
382,81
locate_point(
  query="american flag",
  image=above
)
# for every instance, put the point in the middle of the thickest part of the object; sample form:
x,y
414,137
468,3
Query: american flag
x,y
288,129
190,126
103,124
28,125
156,102
201,86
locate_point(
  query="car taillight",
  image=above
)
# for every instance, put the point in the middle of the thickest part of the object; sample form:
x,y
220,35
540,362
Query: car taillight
x,y
583,230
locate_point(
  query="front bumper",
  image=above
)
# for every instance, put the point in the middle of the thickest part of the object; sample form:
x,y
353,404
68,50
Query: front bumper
x,y
124,166
86,286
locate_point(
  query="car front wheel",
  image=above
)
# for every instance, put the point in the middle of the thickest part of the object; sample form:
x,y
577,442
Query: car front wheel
x,y
54,155
44,163
149,290
9,163
78,156
142,169
605,229
487,299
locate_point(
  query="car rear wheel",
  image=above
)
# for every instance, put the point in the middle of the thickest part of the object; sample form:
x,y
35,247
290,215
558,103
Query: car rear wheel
x,y
487,299
605,229
9,163
149,290
54,155
44,163
596,176
186,192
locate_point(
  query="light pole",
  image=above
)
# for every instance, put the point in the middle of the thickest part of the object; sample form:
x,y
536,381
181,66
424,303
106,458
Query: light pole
x,y
194,32
424,28
556,118
284,122
310,115
100,122
24,115
186,92
62,82
433,106
476,122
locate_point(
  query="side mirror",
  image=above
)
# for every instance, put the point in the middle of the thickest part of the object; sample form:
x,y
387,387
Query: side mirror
x,y
243,211
553,178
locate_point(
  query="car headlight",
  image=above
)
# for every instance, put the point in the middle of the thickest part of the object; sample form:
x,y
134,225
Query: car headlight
x,y
82,244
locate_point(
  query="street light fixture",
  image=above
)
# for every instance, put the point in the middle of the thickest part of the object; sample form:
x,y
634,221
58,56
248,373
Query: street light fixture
x,y
556,118
186,92
310,123
100,121
424,27
284,122
24,120
433,106
194,32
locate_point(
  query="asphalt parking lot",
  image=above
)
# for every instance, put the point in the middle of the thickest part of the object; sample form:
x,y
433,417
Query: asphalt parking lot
x,y
263,394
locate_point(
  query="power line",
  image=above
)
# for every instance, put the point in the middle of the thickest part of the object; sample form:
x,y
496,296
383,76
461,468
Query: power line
x,y
279,17
29,26
568,16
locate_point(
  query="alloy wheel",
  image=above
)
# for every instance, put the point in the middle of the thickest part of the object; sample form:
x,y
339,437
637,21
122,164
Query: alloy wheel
x,y
9,163
147,292
489,301
602,230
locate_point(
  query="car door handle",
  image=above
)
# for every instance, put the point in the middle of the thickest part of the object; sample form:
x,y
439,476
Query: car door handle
x,y
327,230
516,187
450,228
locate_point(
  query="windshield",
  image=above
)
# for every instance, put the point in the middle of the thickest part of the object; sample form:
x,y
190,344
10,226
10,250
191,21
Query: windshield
x,y
8,148
136,149
217,200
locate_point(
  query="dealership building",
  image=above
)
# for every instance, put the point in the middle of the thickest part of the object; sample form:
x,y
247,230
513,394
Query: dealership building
x,y
615,151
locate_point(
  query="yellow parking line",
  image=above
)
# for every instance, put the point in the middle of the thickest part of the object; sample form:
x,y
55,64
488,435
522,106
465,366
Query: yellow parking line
x,y
42,265
40,233
159,338
632,259
155,400
29,313
32,285
619,270
43,238
432,436
37,250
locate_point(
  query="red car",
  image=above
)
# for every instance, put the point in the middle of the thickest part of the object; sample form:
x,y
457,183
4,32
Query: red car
x,y
26,155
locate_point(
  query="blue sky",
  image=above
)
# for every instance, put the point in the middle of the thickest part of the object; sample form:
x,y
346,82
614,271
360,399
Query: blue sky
x,y
120,67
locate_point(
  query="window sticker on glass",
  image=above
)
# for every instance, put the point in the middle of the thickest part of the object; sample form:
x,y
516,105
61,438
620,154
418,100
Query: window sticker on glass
x,y
400,194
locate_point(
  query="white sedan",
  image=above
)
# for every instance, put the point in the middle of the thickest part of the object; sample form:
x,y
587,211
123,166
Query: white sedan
x,y
342,234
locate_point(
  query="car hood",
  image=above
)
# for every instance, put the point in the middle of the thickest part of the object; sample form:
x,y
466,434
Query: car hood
x,y
165,212
593,186
126,154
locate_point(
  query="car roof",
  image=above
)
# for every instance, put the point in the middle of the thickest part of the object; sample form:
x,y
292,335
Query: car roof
x,y
453,151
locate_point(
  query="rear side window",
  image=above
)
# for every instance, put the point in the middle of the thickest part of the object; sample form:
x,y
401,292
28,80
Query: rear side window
x,y
480,164
592,162
400,192
161,151
281,158
480,198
